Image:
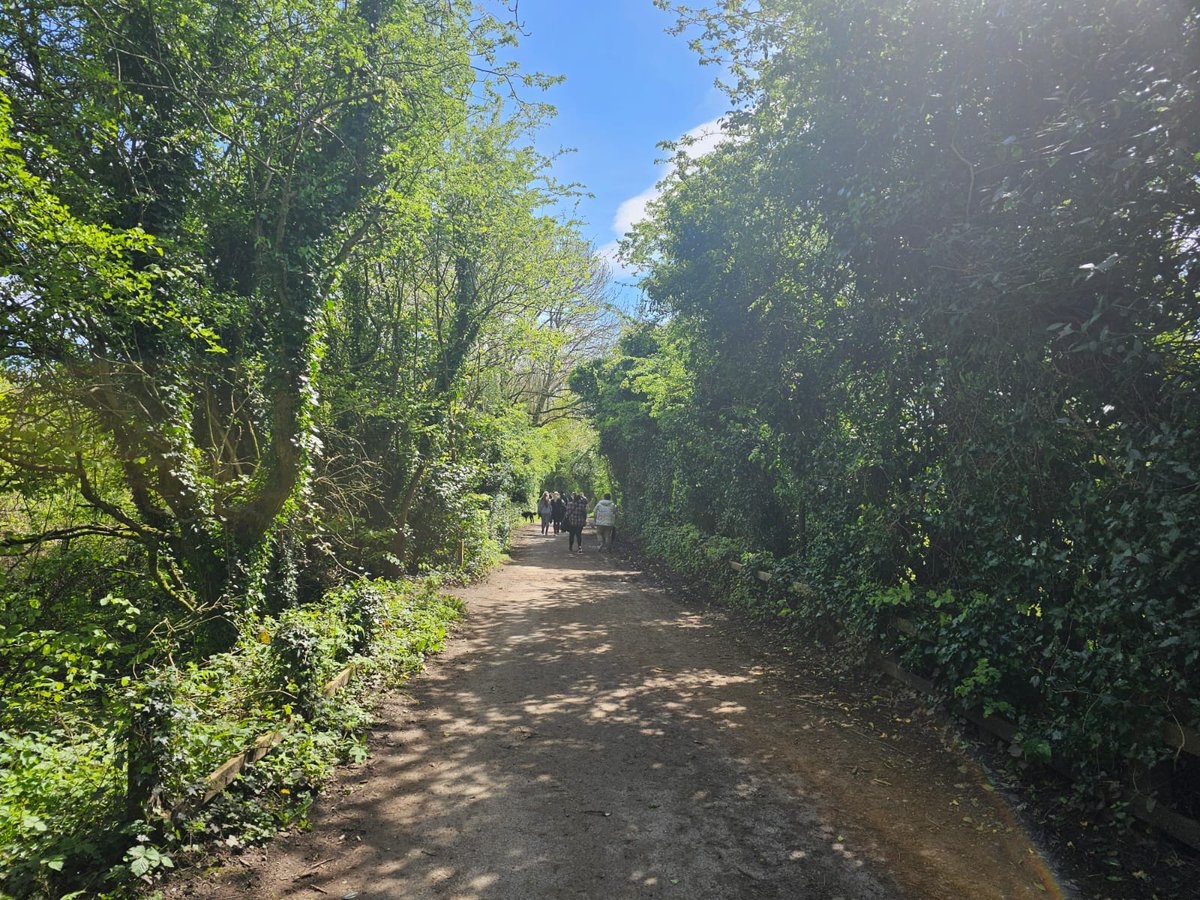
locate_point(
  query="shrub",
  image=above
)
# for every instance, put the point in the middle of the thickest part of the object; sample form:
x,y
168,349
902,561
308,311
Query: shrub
x,y
61,792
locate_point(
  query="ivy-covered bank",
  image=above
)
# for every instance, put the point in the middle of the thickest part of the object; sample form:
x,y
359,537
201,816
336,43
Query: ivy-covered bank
x,y
922,336
63,789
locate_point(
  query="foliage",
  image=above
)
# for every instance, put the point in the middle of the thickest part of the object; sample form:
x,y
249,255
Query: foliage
x,y
282,306
59,792
927,335
62,790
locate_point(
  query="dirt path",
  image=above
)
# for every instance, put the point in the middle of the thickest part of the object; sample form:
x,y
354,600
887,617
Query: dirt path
x,y
587,734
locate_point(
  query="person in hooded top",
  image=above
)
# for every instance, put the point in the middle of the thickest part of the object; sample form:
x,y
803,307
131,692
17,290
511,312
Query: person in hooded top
x,y
605,516
560,511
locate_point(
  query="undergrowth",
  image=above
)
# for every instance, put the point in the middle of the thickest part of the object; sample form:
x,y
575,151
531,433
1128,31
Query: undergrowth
x,y
61,790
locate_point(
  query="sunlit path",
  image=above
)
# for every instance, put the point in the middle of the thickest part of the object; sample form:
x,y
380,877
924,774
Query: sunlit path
x,y
877,322
587,735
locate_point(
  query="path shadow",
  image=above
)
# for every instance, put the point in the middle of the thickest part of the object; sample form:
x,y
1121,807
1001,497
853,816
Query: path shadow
x,y
581,739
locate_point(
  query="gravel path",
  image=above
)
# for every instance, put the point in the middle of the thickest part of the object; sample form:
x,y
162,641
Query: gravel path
x,y
587,734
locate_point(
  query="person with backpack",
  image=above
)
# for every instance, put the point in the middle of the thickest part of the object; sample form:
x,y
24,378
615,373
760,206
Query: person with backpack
x,y
605,516
576,518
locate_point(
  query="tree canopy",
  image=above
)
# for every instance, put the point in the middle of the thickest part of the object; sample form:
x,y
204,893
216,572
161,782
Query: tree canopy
x,y
285,304
926,336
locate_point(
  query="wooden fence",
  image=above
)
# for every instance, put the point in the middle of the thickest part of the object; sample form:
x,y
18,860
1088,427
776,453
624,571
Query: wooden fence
x,y
227,773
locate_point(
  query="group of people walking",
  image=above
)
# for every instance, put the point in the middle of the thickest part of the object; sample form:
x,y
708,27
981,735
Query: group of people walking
x,y
569,514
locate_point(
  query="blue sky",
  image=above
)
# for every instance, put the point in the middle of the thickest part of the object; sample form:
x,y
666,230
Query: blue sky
x,y
629,85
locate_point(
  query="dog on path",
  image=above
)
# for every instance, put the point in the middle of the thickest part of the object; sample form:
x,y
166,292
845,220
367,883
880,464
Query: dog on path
x,y
528,516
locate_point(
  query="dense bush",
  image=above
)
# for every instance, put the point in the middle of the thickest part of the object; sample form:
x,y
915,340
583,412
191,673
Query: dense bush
x,y
926,334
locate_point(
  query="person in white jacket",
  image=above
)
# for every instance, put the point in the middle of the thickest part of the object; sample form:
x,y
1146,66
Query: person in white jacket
x,y
605,516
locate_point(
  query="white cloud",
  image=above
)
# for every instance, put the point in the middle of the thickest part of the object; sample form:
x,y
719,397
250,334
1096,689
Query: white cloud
x,y
608,253
705,138
633,210
698,142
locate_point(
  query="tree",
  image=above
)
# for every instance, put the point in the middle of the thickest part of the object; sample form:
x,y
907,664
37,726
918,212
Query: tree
x,y
261,145
440,319
937,297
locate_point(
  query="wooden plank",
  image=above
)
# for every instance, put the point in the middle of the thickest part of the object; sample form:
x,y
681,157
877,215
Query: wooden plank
x,y
223,777
1181,737
916,682
1001,728
227,773
263,745
759,574
339,681
1164,818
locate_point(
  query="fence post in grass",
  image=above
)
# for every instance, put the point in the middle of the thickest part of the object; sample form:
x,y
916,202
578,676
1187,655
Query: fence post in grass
x,y
151,713
295,649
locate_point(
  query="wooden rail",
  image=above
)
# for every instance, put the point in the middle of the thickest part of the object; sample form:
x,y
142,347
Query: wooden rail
x,y
227,773
339,681
1182,738
1174,734
1165,819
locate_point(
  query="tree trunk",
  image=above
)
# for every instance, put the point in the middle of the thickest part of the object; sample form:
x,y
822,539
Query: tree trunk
x,y
400,538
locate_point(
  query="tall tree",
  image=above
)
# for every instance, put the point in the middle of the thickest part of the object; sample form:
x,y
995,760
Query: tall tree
x,y
480,280
260,143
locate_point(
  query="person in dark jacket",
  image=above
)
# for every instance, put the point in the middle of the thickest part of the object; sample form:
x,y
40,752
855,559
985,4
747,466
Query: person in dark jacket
x,y
559,506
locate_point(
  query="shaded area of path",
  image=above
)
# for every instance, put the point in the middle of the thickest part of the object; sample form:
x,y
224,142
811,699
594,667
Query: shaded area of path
x,y
588,735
